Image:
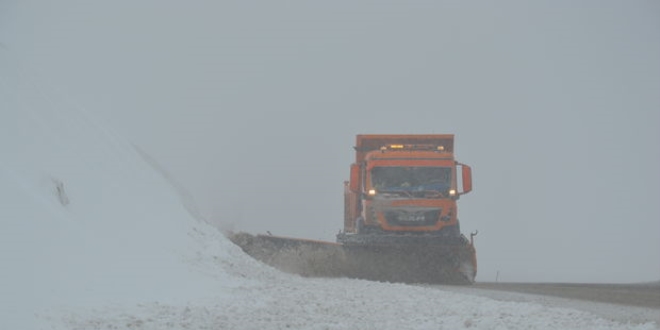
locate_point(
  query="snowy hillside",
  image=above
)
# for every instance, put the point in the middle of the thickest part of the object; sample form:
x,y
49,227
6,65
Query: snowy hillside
x,y
93,236
85,221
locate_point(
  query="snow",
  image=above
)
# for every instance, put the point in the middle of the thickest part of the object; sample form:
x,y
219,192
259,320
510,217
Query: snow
x,y
94,235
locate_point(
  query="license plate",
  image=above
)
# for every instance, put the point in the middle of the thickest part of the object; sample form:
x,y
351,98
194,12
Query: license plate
x,y
411,217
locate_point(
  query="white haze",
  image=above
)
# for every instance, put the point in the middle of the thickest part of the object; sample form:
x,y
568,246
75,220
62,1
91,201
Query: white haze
x,y
253,106
95,235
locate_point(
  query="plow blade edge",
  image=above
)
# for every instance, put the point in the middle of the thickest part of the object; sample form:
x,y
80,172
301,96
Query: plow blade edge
x,y
407,260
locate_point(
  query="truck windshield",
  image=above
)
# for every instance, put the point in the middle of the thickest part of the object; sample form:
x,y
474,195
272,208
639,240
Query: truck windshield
x,y
411,179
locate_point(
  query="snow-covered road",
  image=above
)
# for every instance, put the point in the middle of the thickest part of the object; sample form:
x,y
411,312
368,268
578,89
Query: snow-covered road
x,y
634,312
637,294
297,303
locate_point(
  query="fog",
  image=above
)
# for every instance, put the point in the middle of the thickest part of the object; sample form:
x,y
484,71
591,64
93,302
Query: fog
x,y
254,107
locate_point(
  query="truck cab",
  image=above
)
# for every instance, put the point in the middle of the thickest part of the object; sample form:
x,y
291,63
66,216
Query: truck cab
x,y
405,184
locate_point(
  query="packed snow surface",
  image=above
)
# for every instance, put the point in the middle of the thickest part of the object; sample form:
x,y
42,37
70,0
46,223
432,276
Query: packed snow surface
x,y
95,236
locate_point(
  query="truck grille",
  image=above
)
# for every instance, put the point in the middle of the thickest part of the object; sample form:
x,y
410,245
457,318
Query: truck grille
x,y
412,217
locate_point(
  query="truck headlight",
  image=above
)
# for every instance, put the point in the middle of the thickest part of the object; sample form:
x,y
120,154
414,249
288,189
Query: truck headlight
x,y
372,192
452,192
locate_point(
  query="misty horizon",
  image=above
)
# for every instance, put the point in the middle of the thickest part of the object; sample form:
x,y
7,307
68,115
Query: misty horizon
x,y
254,108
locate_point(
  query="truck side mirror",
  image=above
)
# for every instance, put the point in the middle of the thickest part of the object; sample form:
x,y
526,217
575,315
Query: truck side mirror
x,y
354,183
466,178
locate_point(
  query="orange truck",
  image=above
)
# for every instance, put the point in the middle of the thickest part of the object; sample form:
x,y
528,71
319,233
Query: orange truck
x,y
400,218
402,195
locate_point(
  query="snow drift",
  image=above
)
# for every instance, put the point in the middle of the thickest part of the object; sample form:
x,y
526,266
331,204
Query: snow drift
x,y
85,221
92,236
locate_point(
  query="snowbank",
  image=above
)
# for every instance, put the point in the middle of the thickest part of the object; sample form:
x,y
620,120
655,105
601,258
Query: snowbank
x,y
92,236
85,220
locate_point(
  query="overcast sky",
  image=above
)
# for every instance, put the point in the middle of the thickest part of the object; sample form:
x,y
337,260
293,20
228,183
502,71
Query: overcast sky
x,y
254,107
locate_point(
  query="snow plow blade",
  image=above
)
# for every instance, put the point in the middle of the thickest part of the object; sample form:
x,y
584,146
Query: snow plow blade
x,y
297,256
396,258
